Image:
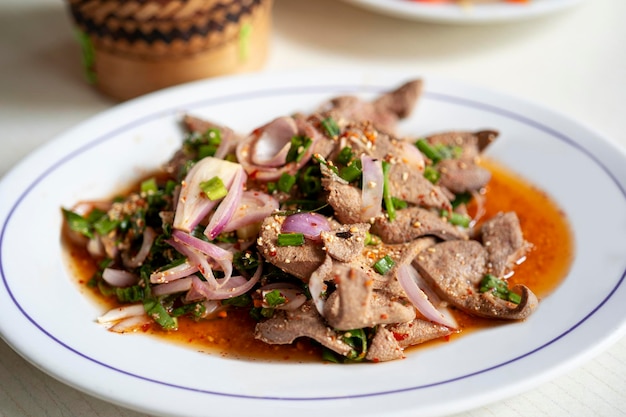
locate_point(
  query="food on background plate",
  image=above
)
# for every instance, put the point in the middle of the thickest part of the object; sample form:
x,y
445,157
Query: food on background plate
x,y
327,226
471,2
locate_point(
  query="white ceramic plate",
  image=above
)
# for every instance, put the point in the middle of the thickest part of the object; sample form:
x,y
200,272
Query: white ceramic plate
x,y
458,14
45,317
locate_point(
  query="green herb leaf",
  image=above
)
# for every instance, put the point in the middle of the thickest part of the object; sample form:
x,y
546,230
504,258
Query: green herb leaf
x,y
499,288
330,126
78,223
285,182
345,155
159,314
274,298
299,146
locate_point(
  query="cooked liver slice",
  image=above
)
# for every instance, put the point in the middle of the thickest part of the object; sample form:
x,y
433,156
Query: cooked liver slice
x,y
505,244
414,222
286,326
456,268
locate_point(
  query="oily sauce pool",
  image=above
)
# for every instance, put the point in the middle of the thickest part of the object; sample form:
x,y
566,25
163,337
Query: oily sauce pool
x,y
231,335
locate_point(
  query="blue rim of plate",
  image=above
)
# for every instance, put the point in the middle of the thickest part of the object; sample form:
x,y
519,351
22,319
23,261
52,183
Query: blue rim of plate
x,y
272,92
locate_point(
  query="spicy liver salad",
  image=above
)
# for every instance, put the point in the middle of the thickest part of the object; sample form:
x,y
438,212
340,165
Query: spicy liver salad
x,y
327,226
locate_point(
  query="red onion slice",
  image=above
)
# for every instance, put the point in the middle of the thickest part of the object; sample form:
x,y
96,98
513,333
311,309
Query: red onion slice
x,y
119,277
273,142
246,150
235,286
254,207
411,156
173,287
149,235
227,207
193,205
197,259
372,191
317,286
130,324
407,279
309,224
222,257
172,274
123,312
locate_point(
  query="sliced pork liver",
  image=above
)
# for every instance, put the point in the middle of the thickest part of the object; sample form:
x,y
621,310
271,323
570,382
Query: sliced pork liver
x,y
284,327
384,111
299,261
414,222
455,268
502,237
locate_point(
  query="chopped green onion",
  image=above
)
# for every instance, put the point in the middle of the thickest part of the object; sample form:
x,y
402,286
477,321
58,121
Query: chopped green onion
x,y
449,151
461,198
290,239
391,209
457,219
242,300
214,188
429,151
310,181
351,172
285,182
274,298
78,223
159,314
330,126
299,146
357,340
431,174
271,187
371,239
499,288
132,294
399,204
149,186
105,225
345,155
201,145
384,264
196,310
244,261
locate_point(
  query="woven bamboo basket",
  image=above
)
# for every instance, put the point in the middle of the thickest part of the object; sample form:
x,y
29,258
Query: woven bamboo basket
x,y
132,47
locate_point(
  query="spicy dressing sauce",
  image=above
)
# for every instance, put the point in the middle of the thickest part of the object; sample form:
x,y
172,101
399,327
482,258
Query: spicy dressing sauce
x,y
543,223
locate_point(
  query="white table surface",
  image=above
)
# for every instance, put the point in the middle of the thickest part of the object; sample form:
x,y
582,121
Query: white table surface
x,y
573,61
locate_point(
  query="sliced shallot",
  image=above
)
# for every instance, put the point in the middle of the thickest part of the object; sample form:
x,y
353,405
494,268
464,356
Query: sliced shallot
x,y
173,287
171,274
193,204
123,312
149,235
119,277
222,257
235,286
308,223
407,279
227,207
254,207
